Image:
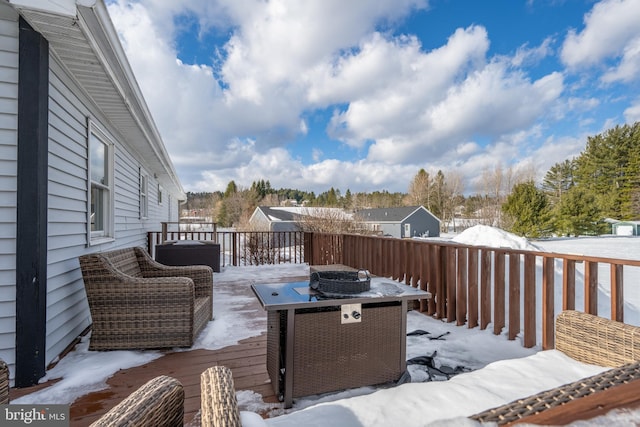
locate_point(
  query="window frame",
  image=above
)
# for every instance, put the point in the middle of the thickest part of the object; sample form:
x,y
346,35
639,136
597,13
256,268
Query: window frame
x,y
143,191
107,233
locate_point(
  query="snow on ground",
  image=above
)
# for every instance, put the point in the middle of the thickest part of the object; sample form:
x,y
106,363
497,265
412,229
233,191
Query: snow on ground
x,y
503,369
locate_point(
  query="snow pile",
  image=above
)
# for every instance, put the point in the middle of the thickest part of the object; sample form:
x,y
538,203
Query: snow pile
x,y
484,235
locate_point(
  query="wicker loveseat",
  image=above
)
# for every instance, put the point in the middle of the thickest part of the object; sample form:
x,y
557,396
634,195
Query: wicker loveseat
x,y
137,303
588,339
583,337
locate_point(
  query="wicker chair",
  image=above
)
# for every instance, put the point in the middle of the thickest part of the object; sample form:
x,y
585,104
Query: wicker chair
x,y
159,402
588,339
137,303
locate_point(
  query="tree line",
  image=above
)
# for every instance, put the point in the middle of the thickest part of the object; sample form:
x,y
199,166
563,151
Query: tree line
x,y
574,198
577,195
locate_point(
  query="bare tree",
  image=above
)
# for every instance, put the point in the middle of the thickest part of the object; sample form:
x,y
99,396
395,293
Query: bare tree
x,y
452,196
419,189
326,220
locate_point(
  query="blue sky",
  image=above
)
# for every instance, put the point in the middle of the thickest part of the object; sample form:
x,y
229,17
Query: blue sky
x,y
360,95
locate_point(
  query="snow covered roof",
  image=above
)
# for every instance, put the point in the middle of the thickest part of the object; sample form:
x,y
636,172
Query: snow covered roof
x,y
292,213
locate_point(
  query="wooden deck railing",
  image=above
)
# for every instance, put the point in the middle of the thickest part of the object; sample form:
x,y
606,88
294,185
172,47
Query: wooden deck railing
x,y
479,286
470,285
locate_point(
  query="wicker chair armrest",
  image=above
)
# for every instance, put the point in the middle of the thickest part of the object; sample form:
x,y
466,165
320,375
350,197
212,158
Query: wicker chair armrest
x,y
155,287
218,402
4,383
202,275
158,402
596,340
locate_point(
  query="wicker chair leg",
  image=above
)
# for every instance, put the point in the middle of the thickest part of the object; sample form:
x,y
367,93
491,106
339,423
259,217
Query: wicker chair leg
x,y
218,403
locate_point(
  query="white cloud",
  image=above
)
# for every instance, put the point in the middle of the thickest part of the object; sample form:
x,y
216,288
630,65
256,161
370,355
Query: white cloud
x,y
629,66
609,28
632,114
401,106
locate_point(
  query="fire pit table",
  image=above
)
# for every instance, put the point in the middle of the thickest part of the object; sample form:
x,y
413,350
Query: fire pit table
x,y
318,343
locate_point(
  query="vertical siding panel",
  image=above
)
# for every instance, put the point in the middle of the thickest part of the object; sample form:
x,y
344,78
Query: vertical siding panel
x,y
67,308
8,185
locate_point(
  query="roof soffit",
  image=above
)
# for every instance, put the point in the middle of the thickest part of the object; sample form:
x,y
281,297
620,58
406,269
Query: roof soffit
x,y
87,46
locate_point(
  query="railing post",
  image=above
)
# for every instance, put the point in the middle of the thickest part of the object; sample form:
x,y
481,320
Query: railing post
x,y
568,284
164,232
514,296
450,268
617,294
548,302
529,300
462,284
499,293
234,249
472,294
485,288
591,287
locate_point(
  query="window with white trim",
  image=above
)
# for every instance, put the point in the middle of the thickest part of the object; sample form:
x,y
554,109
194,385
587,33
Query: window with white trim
x,y
144,195
160,194
100,185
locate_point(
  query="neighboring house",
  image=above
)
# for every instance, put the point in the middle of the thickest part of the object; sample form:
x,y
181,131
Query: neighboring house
x,y
288,218
623,228
405,221
82,169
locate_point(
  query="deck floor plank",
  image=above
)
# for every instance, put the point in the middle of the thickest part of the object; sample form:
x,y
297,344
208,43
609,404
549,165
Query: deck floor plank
x,y
246,359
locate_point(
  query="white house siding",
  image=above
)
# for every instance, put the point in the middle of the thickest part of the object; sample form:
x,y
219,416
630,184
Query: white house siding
x,y
8,179
67,309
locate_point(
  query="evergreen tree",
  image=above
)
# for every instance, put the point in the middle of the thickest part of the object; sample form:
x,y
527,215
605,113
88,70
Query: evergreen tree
x,y
558,180
608,169
528,208
577,214
231,189
347,201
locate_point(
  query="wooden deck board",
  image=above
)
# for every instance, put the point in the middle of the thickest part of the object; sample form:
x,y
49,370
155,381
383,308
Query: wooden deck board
x,y
249,374
246,359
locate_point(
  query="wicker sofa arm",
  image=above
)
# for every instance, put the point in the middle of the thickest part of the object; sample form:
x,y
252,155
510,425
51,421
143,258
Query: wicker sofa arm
x,y
160,401
202,275
4,383
596,340
558,396
587,339
218,402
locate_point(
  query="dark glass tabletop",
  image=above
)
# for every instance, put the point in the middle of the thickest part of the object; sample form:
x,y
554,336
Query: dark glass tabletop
x,y
291,295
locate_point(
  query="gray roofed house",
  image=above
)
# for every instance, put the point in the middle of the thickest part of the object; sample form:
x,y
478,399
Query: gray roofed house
x,y
288,218
400,222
